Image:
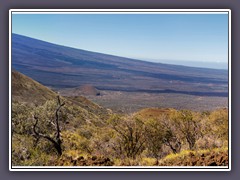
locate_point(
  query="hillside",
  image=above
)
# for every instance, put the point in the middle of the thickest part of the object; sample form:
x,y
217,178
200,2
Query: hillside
x,y
60,67
78,118
25,89
28,91
91,135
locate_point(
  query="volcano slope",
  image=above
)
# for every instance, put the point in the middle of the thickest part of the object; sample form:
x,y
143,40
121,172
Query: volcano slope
x,y
122,81
93,135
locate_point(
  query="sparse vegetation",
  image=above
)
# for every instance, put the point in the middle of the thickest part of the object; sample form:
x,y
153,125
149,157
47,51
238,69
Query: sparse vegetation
x,y
89,135
123,140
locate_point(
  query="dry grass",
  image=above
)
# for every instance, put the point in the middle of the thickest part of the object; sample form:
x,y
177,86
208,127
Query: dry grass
x,y
205,157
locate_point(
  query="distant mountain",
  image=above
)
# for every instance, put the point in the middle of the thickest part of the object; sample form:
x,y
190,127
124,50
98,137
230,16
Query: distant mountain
x,y
60,67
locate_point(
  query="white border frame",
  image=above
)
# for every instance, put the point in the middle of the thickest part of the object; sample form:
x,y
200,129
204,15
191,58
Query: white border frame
x,y
120,11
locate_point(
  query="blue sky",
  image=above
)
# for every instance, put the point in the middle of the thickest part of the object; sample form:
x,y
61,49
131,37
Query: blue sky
x,y
154,37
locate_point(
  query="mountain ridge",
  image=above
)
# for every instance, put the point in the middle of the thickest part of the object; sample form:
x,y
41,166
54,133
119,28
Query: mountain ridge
x,y
60,67
14,35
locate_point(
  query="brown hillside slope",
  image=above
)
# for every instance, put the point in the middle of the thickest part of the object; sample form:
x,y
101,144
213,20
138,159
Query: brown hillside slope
x,y
25,89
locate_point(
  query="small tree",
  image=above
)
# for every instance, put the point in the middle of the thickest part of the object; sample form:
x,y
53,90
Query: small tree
x,y
129,136
21,118
171,137
188,126
215,128
171,140
56,139
155,134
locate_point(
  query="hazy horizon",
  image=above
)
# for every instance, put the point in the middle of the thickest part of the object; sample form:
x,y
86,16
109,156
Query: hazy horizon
x,y
200,64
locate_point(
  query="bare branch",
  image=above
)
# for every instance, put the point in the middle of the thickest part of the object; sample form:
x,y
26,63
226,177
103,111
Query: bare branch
x,y
57,141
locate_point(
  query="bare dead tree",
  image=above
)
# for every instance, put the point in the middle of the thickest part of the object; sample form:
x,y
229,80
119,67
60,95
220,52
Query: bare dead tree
x,y
56,140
